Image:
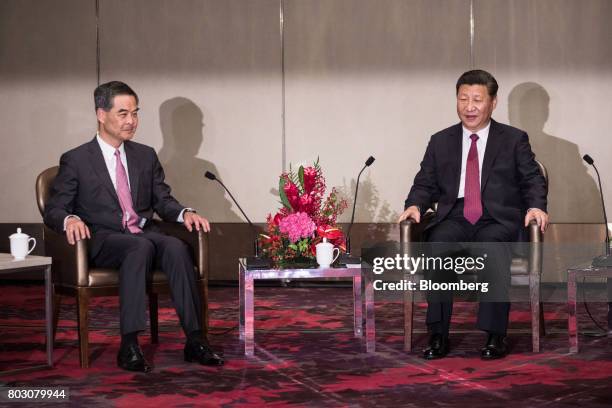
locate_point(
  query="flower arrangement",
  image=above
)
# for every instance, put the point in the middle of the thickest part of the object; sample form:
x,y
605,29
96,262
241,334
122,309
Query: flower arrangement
x,y
304,219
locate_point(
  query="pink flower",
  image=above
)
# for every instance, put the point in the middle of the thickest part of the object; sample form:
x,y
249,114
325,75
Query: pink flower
x,y
297,226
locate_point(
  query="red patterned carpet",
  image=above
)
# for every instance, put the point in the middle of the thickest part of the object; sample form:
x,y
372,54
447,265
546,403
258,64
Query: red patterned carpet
x,y
306,356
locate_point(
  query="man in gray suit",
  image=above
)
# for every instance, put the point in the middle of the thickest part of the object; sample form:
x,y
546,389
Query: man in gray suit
x,y
107,190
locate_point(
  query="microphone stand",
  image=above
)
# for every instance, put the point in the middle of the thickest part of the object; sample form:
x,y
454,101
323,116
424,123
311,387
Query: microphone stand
x,y
346,258
253,262
603,261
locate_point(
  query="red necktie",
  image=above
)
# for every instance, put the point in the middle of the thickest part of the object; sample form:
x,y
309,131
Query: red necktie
x,y
472,205
130,219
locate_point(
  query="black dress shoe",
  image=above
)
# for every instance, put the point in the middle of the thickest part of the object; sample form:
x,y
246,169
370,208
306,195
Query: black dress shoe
x,y
198,351
437,348
130,358
495,348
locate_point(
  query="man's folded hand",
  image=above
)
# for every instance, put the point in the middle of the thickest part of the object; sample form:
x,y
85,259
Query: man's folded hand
x,y
412,213
76,230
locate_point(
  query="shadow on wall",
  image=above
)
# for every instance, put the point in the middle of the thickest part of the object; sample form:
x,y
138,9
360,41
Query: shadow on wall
x,y
371,208
182,126
572,193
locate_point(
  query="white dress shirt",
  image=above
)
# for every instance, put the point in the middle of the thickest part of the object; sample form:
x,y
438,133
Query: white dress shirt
x,y
108,152
481,145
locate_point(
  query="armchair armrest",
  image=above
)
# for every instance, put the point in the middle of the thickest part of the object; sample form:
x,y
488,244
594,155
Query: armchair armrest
x,y
535,248
411,231
196,240
70,265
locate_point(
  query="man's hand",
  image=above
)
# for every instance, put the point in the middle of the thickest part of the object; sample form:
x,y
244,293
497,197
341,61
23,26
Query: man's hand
x,y
192,220
539,216
411,212
76,230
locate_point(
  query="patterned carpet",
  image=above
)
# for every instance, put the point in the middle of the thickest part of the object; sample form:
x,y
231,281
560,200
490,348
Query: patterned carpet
x,y
306,355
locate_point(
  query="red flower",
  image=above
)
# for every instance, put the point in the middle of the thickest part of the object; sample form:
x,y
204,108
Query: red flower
x,y
331,233
306,204
277,218
310,179
292,193
313,248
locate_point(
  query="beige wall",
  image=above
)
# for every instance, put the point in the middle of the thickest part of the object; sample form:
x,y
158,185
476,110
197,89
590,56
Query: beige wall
x,y
361,77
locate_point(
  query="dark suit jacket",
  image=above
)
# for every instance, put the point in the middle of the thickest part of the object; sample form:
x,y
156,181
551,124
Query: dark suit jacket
x,y
511,181
83,187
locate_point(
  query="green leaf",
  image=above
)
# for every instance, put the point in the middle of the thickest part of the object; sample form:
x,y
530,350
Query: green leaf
x,y
293,246
317,166
301,176
281,193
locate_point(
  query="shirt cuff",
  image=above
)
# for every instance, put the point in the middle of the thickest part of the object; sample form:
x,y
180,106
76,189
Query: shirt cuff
x,y
180,217
70,216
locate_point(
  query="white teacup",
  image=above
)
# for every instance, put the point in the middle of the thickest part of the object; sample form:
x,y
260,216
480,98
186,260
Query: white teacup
x,y
325,254
20,245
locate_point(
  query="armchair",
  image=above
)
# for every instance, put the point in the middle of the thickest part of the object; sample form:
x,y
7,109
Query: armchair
x,y
525,269
72,275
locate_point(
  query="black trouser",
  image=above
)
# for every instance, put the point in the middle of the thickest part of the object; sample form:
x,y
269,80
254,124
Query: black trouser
x,y
492,315
135,255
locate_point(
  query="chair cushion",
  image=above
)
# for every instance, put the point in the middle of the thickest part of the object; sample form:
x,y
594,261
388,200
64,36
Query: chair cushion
x,y
110,277
519,266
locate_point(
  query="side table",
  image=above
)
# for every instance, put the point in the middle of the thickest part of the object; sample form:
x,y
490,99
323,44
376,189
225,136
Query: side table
x,y
9,265
247,278
572,275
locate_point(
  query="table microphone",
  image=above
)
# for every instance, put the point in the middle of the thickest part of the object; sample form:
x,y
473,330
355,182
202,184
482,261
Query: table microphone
x,y
604,260
346,258
253,262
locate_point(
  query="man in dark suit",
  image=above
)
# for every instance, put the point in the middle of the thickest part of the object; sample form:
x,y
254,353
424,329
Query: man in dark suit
x,y
484,177
107,190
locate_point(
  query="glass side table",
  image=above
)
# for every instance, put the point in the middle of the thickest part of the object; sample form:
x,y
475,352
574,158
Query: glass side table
x,y
572,275
247,278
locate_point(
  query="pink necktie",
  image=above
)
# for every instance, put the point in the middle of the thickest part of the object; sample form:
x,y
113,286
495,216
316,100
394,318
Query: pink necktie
x,y
472,205
125,198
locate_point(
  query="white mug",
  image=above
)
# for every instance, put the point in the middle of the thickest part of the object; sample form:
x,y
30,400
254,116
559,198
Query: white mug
x,y
20,243
325,254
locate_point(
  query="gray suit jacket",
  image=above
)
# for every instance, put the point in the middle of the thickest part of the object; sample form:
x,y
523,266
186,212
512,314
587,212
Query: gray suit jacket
x,y
84,188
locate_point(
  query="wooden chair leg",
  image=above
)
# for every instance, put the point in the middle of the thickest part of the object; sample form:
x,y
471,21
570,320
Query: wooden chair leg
x,y
536,311
57,301
408,319
83,326
542,325
204,301
153,312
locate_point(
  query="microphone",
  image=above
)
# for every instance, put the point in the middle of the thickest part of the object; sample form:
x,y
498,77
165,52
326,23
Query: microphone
x,y
346,259
604,260
254,262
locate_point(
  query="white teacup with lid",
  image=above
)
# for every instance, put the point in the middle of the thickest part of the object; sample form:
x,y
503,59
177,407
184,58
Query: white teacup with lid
x,y
325,253
20,245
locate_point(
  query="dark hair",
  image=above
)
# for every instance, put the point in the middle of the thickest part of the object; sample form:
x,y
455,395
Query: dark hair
x,y
105,93
478,77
